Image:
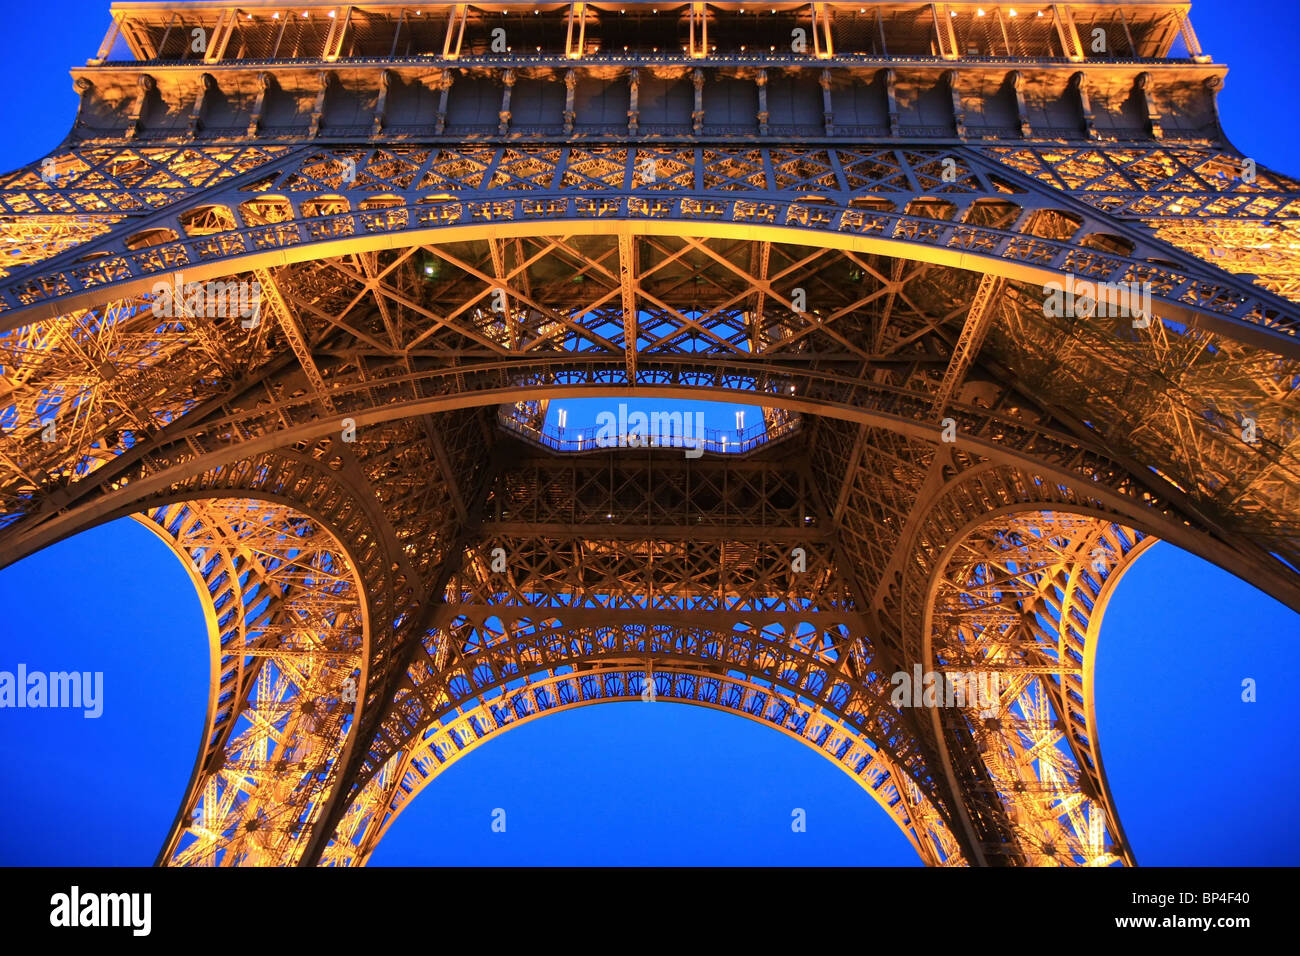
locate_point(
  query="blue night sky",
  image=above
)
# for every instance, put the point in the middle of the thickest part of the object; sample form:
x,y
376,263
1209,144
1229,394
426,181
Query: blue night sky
x,y
1199,776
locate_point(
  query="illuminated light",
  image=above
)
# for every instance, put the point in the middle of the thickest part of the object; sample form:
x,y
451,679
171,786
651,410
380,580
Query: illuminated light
x,y
331,14
1011,13
979,12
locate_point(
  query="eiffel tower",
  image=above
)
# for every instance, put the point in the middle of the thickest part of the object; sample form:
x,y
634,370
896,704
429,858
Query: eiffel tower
x,y
301,285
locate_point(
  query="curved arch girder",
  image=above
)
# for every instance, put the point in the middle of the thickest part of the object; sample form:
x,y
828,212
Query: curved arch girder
x,y
457,204
1021,596
488,714
289,639
219,442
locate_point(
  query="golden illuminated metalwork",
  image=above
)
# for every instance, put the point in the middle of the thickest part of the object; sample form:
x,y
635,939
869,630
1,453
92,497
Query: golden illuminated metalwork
x,y
451,216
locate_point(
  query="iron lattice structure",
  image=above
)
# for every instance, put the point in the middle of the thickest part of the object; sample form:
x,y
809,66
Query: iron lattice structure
x,y
846,213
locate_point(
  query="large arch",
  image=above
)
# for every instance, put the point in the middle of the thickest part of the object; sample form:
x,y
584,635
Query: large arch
x,y
734,192
1262,319
1107,484
588,666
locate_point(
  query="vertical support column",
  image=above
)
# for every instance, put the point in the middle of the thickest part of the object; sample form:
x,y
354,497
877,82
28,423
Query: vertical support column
x,y
891,100
455,32
318,111
83,86
381,105
265,81
633,102
1079,83
207,83
697,115
828,117
958,110
570,85
507,88
760,79
1017,81
1153,111
445,79
627,270
146,86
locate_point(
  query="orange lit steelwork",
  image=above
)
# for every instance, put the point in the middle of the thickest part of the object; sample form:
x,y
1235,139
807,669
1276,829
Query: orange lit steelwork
x,y
300,285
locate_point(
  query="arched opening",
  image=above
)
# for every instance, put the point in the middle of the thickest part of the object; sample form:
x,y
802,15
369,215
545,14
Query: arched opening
x,y
994,213
1053,224
1106,242
927,207
206,220
645,784
265,210
101,791
579,684
1188,678
150,237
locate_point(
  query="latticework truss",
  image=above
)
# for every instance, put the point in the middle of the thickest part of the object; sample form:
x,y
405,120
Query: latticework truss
x,y
860,236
